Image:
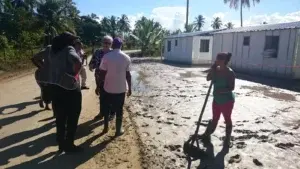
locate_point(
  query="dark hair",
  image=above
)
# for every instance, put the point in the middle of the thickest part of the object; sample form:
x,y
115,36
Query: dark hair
x,y
63,40
228,58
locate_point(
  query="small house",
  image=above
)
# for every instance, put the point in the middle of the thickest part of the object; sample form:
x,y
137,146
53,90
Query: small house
x,y
269,50
189,48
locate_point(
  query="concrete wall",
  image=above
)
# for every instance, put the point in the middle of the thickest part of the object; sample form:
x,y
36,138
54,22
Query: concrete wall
x,y
182,53
250,59
202,57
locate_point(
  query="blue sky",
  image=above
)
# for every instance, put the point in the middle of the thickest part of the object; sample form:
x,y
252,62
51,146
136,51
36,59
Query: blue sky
x,y
171,13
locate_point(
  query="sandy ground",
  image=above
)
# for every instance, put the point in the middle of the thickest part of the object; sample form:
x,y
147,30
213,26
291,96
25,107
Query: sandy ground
x,y
159,117
167,103
27,134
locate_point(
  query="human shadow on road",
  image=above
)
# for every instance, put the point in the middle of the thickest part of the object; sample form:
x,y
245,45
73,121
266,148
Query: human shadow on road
x,y
21,136
18,107
214,162
12,119
65,161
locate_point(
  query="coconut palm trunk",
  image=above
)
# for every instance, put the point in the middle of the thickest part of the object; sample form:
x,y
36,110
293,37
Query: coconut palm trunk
x,y
241,10
187,13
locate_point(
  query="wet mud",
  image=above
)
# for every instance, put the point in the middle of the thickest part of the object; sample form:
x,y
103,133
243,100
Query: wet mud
x,y
166,104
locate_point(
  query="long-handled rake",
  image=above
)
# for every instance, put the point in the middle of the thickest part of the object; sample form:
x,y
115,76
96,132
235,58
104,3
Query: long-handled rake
x,y
192,152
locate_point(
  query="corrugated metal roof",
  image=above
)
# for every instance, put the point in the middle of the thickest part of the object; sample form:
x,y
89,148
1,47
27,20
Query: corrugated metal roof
x,y
198,33
279,26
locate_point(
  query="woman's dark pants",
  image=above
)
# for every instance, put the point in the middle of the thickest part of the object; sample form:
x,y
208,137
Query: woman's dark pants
x,y
67,106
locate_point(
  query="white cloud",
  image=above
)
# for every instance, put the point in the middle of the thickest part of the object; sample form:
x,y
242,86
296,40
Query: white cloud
x,y
172,18
134,18
100,17
221,15
273,18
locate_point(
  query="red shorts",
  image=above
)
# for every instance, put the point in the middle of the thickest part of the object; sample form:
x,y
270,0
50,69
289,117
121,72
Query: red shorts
x,y
225,109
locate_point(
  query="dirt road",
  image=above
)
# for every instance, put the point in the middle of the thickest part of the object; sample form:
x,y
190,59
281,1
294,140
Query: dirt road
x,y
165,105
27,134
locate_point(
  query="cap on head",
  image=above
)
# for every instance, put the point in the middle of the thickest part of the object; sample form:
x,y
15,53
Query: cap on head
x,y
117,43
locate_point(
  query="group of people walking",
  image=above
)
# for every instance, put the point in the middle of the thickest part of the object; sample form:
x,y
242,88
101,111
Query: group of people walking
x,y
60,66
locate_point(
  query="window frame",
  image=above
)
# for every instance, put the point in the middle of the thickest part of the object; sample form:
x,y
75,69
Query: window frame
x,y
205,46
244,41
176,42
169,46
270,44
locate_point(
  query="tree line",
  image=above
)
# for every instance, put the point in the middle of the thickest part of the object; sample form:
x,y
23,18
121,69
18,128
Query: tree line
x,y
29,25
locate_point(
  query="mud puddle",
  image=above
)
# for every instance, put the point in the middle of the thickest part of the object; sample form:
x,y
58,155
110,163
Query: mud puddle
x,y
270,92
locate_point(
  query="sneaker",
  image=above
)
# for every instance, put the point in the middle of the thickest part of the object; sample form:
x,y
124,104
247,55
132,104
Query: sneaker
x,y
85,88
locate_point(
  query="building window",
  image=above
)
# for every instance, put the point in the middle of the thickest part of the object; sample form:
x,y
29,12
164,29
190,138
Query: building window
x,y
246,41
169,46
176,42
271,46
204,45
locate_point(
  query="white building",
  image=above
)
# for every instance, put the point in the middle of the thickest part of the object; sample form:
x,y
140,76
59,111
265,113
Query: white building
x,y
270,50
189,48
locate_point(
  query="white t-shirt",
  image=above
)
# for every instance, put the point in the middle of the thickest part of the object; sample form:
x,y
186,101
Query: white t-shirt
x,y
116,63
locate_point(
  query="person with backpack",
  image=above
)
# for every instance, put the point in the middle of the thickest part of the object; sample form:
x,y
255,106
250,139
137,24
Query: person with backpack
x,y
223,79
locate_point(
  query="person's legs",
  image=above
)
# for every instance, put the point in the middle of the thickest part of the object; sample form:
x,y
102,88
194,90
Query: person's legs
x,y
101,104
227,111
83,78
107,100
46,90
61,117
41,103
216,109
118,107
74,109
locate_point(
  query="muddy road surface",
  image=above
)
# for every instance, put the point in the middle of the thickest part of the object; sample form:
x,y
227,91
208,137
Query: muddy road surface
x,y
167,101
159,117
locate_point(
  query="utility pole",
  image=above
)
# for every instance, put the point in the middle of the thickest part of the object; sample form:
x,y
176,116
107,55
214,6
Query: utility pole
x,y
187,13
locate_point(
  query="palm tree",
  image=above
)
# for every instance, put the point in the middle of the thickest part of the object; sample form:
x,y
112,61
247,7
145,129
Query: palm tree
x,y
149,35
53,15
199,22
187,13
124,24
110,25
189,28
242,3
216,23
229,25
